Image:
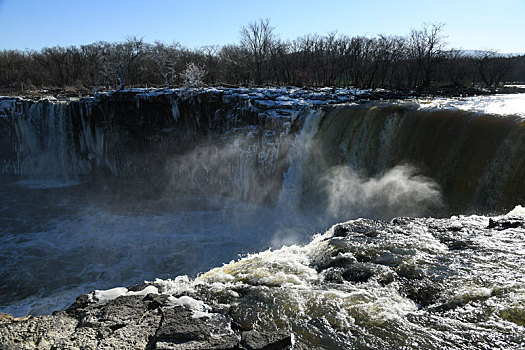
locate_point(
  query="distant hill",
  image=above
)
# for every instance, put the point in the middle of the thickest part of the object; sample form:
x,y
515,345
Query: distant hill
x,y
475,53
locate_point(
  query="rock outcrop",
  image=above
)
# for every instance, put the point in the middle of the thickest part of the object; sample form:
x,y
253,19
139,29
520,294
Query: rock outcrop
x,y
134,322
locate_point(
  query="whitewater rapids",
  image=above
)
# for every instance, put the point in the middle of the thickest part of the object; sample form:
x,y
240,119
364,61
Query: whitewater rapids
x,y
409,283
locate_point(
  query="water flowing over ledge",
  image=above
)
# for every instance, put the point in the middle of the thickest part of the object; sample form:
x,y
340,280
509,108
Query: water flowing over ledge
x,y
240,142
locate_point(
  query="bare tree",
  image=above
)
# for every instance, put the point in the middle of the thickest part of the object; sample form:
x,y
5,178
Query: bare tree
x,y
492,67
210,53
426,45
234,67
120,56
258,37
456,68
92,56
166,57
193,75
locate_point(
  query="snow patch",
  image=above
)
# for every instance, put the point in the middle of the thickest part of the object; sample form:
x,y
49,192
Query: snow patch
x,y
110,294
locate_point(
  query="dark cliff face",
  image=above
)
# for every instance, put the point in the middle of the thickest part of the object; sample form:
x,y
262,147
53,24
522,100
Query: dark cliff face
x,y
140,135
7,140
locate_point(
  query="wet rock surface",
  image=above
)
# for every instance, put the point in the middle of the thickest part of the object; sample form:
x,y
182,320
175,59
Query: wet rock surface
x,y
132,322
505,223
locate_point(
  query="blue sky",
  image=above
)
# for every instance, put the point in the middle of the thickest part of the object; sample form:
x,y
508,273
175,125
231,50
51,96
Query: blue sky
x,y
33,24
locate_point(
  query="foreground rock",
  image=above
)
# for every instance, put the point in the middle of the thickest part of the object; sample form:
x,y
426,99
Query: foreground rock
x,y
132,322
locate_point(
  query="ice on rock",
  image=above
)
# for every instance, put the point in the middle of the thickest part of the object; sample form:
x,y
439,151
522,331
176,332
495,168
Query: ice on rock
x,y
240,96
265,104
283,103
175,110
257,95
198,307
6,105
110,294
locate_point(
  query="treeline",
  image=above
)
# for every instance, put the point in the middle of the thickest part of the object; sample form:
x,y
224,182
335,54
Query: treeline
x,y
418,60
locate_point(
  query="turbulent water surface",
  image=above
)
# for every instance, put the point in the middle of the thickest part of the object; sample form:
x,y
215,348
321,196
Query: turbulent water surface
x,y
264,201
59,242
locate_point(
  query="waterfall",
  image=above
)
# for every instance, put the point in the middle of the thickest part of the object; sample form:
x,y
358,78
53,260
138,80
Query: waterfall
x,y
473,157
46,148
272,154
299,155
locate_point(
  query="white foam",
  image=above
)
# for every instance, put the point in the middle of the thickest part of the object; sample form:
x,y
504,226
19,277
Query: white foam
x,y
517,211
288,266
181,284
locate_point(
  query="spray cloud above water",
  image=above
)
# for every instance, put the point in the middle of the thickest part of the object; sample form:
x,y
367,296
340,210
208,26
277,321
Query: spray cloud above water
x,y
400,191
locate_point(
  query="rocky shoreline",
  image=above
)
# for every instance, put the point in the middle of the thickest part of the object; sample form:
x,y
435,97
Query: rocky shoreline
x,y
137,321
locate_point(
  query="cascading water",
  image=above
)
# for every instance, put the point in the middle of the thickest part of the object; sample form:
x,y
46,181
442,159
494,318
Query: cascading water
x,y
163,191
290,196
472,157
44,147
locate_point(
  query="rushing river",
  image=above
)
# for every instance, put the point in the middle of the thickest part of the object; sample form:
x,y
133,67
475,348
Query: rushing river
x,y
433,283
